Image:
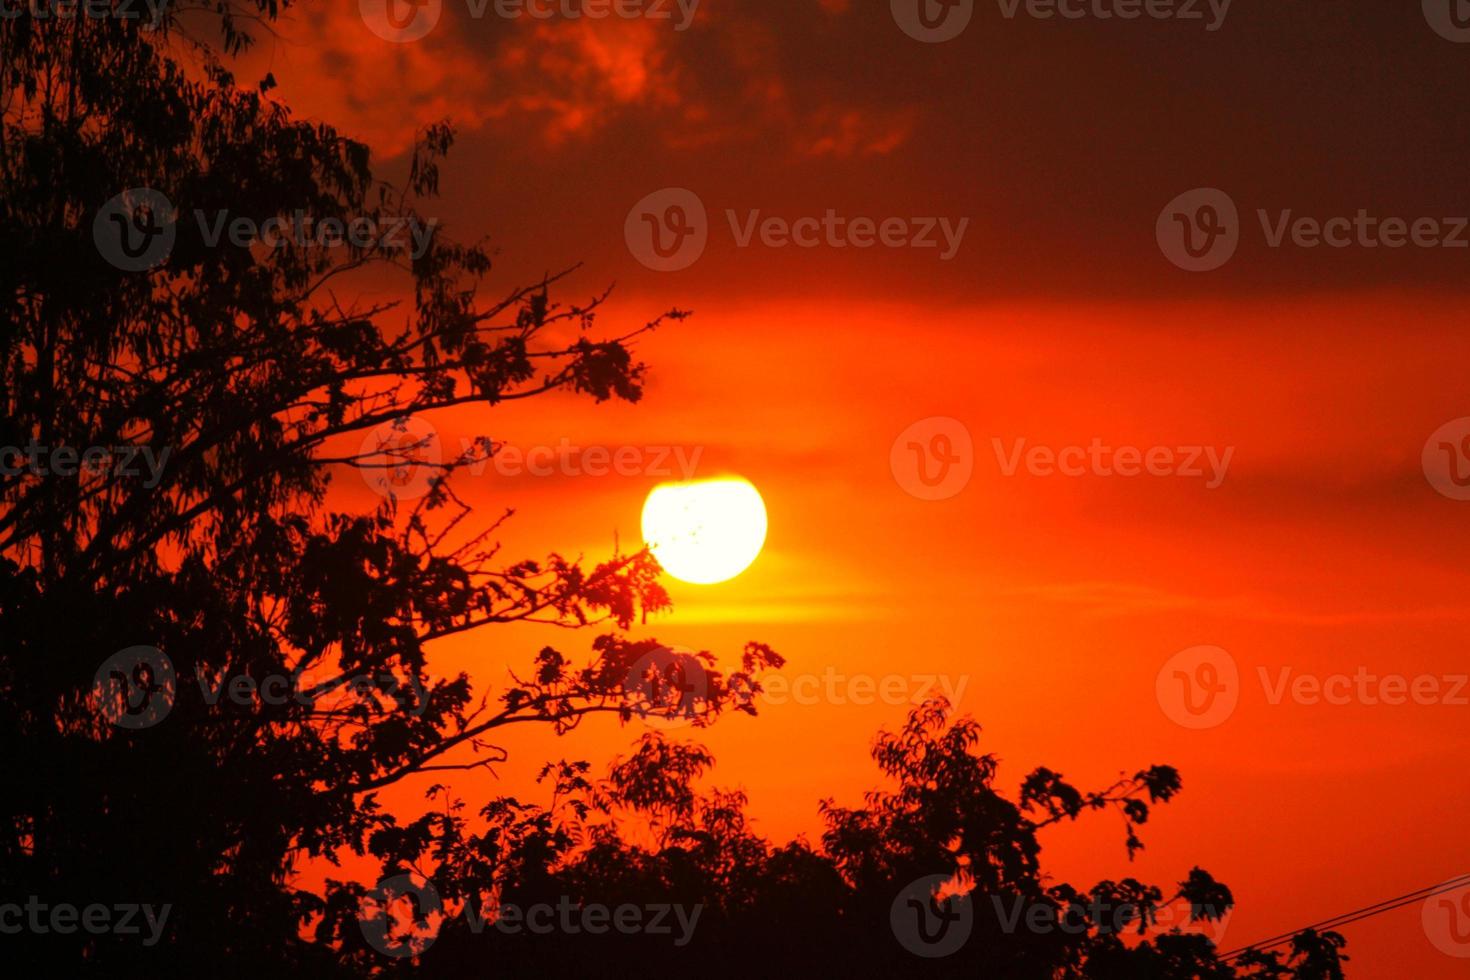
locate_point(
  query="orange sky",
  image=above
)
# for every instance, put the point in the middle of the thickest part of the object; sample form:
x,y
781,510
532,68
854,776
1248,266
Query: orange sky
x,y
1055,600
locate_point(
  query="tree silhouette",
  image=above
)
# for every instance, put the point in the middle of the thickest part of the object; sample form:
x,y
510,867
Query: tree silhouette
x,y
836,909
256,381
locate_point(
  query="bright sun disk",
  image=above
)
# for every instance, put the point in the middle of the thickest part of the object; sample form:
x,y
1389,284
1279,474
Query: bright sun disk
x,y
706,531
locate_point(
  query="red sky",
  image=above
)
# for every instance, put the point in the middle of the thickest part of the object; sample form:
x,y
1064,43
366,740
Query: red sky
x,y
1055,599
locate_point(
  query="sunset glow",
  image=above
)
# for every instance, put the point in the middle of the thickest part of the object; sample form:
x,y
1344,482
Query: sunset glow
x,y
707,489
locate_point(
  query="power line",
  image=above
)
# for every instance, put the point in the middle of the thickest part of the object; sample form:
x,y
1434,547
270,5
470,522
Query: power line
x,y
1347,918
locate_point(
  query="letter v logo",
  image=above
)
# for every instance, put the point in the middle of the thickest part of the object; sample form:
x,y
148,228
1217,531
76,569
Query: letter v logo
x,y
932,21
927,925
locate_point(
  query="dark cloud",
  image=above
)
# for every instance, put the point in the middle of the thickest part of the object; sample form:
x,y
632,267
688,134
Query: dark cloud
x,y
1060,140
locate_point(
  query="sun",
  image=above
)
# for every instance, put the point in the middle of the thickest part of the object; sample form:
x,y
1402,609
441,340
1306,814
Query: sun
x,y
706,531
